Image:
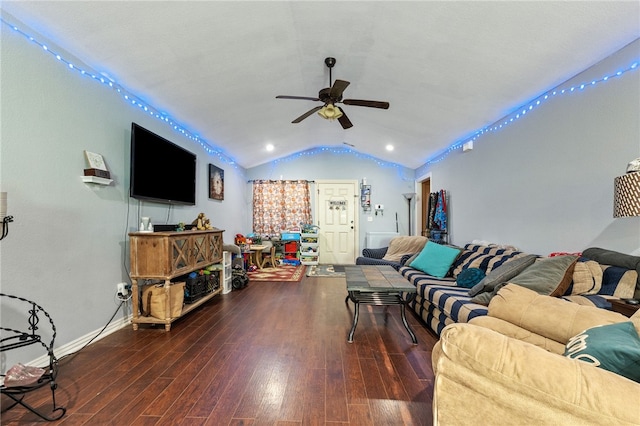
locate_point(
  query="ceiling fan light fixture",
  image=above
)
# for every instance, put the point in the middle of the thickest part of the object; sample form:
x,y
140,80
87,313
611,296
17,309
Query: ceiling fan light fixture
x,y
330,112
331,95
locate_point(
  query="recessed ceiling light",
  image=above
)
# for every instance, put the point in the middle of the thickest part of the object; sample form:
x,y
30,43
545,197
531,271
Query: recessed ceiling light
x,y
389,147
270,147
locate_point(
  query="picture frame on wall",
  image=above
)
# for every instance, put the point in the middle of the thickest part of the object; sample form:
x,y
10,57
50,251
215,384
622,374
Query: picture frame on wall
x,y
216,182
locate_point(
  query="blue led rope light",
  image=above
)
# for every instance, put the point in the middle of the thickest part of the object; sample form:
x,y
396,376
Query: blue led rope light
x,y
498,125
343,151
130,98
521,112
337,150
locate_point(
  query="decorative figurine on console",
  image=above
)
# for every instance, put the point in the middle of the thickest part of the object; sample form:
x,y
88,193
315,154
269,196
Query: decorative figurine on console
x,y
201,223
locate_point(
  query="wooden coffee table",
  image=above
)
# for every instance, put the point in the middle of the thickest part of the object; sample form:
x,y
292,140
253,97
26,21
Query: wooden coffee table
x,y
381,286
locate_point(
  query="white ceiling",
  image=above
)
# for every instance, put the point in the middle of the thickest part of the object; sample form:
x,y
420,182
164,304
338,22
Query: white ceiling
x,y
447,68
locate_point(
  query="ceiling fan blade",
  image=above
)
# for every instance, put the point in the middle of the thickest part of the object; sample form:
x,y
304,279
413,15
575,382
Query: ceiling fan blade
x,y
337,89
304,98
344,120
308,113
371,104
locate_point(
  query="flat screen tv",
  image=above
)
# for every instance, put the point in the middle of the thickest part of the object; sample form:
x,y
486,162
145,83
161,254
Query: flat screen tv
x,y
161,170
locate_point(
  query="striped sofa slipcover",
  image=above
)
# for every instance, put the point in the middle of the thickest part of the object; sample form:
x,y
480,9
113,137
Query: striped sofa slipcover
x,y
440,302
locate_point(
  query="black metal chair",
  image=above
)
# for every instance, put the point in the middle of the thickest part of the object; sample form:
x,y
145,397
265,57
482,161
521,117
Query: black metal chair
x,y
13,339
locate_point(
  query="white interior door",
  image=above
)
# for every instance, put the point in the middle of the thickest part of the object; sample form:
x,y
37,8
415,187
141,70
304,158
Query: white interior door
x,y
337,219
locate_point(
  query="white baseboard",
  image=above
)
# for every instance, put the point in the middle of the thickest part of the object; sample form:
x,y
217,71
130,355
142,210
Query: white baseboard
x,y
77,344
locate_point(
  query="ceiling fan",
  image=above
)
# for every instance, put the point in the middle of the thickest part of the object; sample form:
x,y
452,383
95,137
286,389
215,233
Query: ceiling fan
x,y
332,95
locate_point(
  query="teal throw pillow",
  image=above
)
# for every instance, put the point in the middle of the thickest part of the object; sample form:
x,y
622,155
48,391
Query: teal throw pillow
x,y
613,347
435,259
469,277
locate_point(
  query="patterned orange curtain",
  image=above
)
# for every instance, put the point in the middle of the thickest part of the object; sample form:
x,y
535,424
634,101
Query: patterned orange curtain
x,y
280,205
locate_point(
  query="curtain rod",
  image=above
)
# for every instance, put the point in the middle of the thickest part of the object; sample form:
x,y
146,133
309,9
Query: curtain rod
x,y
280,180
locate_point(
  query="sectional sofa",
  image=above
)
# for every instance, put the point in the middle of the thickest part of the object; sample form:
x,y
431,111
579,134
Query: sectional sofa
x,y
533,341
538,360
590,279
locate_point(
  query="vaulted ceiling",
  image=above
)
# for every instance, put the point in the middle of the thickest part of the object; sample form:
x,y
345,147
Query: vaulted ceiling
x,y
447,68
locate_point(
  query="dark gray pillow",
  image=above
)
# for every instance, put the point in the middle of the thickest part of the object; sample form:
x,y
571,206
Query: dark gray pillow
x,y
503,274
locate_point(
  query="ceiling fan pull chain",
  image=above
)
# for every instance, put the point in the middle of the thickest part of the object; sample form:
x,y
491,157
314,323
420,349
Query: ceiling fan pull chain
x,y
330,78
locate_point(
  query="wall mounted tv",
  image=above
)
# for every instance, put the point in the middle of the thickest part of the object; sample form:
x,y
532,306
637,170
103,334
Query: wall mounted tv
x,y
161,170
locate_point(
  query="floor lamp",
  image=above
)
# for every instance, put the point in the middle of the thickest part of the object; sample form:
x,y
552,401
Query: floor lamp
x,y
409,196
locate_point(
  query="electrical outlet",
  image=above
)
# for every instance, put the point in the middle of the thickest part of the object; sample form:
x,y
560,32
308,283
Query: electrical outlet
x,y
122,289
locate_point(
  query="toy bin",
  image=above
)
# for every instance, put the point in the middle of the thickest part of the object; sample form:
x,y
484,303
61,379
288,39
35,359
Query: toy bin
x,y
291,247
195,288
213,282
290,236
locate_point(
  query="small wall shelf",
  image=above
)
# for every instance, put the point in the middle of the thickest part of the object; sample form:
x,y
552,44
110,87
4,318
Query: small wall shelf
x,y
97,180
365,197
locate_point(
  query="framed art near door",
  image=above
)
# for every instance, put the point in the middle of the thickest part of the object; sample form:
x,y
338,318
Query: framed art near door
x,y
216,182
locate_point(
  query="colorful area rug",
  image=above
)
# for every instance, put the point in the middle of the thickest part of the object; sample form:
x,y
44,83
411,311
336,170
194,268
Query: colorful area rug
x,y
325,271
286,273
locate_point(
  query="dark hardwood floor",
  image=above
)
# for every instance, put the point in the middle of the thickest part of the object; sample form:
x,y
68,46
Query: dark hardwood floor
x,y
270,354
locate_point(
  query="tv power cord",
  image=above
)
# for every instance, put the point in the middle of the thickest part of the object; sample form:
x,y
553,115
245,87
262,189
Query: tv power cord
x,y
73,354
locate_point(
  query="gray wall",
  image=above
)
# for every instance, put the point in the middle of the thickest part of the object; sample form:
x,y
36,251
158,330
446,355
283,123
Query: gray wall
x,y
388,182
67,247
545,182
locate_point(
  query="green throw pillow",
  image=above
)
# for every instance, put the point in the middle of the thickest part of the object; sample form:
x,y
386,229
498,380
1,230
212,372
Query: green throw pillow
x,y
613,347
503,273
435,259
549,276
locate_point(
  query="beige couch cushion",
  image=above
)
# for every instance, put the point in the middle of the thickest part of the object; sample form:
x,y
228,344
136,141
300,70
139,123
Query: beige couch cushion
x,y
484,377
547,316
400,246
587,278
511,330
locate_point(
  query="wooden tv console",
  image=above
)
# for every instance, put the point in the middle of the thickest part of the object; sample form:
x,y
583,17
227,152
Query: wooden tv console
x,y
167,255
